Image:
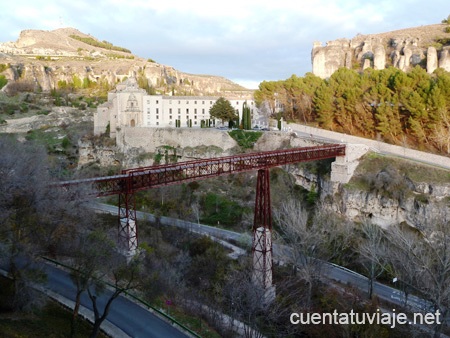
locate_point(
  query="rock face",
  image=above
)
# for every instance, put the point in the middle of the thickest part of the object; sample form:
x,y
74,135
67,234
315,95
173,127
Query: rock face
x,y
389,200
416,210
403,49
48,58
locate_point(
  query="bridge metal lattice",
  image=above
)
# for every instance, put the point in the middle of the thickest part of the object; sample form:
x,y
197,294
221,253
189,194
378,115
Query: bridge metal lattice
x,y
137,179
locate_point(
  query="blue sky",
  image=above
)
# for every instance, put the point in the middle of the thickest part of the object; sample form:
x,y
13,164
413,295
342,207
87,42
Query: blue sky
x,y
246,41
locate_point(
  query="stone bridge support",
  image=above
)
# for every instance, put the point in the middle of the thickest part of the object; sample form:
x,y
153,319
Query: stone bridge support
x,y
343,168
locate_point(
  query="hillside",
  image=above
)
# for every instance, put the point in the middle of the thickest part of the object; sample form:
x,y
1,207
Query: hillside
x,y
52,59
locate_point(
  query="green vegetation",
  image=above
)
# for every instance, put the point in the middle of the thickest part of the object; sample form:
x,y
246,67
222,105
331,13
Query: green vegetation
x,y
394,177
43,58
3,81
143,83
219,210
51,321
246,122
119,56
245,139
401,108
3,67
100,44
46,136
223,110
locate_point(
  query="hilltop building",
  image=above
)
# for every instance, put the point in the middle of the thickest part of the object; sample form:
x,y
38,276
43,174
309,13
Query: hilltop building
x,y
130,106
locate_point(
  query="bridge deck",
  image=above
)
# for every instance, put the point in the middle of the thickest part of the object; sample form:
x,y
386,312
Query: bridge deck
x,y
136,179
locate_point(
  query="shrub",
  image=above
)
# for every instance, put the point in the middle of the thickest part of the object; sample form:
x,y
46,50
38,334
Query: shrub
x,y
245,139
3,81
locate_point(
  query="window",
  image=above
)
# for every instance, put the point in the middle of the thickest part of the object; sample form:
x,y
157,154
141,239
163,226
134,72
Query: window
x,y
195,111
195,102
203,102
157,117
195,117
237,102
187,110
157,110
195,122
170,110
203,111
157,102
187,102
179,110
157,123
148,101
170,117
179,102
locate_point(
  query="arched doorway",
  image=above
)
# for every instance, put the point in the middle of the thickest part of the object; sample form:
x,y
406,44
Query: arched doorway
x,y
132,123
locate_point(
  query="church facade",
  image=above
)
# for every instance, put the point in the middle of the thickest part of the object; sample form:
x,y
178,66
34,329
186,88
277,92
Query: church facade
x,y
130,106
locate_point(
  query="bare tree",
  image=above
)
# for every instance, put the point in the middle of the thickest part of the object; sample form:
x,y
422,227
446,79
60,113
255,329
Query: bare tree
x,y
371,250
89,250
244,302
27,222
303,242
426,255
123,275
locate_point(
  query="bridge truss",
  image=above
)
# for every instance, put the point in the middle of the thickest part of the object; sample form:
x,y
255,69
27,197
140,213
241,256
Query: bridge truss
x,y
131,181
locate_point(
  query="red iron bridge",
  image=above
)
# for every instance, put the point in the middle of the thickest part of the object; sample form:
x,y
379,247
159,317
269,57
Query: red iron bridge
x,y
131,181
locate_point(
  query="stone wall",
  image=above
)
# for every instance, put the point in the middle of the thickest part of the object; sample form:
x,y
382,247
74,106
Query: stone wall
x,y
150,139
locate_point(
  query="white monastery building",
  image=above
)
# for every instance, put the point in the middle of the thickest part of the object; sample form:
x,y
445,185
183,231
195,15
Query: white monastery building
x,y
130,106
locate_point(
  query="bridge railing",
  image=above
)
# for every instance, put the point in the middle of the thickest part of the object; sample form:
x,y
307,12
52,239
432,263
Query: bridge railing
x,y
136,179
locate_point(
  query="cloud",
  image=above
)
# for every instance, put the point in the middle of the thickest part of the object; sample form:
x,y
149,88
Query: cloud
x,y
248,40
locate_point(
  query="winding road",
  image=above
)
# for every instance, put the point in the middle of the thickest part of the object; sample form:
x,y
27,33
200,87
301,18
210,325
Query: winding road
x,y
330,270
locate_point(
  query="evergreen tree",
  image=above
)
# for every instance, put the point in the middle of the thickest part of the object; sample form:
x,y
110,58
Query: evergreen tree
x,y
323,101
223,110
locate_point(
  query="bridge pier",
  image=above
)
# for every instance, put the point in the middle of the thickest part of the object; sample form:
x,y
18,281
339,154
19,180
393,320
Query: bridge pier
x,y
343,168
127,239
262,237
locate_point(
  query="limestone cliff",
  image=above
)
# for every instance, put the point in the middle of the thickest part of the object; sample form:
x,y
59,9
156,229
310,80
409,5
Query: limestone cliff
x,y
384,194
46,58
426,46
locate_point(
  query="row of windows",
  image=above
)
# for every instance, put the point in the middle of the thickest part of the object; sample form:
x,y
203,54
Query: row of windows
x,y
195,102
179,102
157,123
179,111
179,117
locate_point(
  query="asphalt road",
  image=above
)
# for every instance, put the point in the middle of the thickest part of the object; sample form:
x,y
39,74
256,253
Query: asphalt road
x,y
133,319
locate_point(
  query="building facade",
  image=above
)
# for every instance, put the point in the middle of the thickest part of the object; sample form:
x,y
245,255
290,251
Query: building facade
x,y
130,106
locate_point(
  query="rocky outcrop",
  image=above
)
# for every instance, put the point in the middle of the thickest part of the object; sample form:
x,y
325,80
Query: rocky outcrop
x,y
47,59
416,210
403,49
386,198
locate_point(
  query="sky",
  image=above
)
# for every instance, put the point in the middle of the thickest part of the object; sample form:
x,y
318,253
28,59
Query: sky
x,y
246,41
